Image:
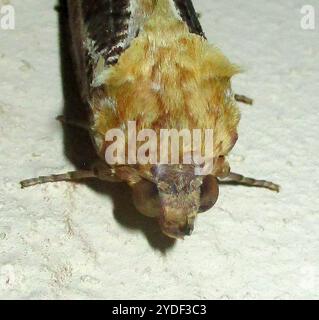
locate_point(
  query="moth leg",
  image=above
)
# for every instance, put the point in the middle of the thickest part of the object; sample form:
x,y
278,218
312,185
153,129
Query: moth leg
x,y
243,99
99,171
69,176
240,179
74,123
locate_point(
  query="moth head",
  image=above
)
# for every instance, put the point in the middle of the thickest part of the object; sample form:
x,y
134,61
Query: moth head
x,y
175,197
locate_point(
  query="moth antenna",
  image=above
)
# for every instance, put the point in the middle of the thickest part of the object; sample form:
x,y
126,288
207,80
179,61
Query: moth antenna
x,y
69,176
240,179
244,99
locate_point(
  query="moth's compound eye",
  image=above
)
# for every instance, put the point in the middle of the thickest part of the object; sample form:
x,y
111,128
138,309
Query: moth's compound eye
x,y
146,198
209,193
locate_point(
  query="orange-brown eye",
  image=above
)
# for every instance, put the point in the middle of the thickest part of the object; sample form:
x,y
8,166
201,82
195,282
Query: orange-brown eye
x,y
146,198
209,193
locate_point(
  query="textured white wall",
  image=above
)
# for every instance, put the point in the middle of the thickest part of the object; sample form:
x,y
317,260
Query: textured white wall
x,y
67,241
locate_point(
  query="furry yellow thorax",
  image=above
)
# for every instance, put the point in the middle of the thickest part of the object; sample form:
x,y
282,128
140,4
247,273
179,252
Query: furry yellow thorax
x,y
170,78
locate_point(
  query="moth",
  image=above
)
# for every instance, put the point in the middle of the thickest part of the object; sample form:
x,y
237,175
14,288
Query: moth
x,y
148,61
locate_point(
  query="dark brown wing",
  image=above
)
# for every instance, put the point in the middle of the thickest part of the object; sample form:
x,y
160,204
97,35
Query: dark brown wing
x,y
106,28
188,14
98,28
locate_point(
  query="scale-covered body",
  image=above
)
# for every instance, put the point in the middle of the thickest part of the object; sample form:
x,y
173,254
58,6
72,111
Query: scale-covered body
x,y
148,62
155,67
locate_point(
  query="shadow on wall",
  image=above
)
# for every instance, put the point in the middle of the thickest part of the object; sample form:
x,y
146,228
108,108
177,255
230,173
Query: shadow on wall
x,y
80,150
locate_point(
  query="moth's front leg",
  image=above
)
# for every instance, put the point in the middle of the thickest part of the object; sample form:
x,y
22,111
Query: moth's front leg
x,y
68,176
222,171
251,182
99,171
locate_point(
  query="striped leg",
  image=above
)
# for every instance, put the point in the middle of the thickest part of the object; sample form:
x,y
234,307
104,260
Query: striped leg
x,y
238,178
69,176
99,171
